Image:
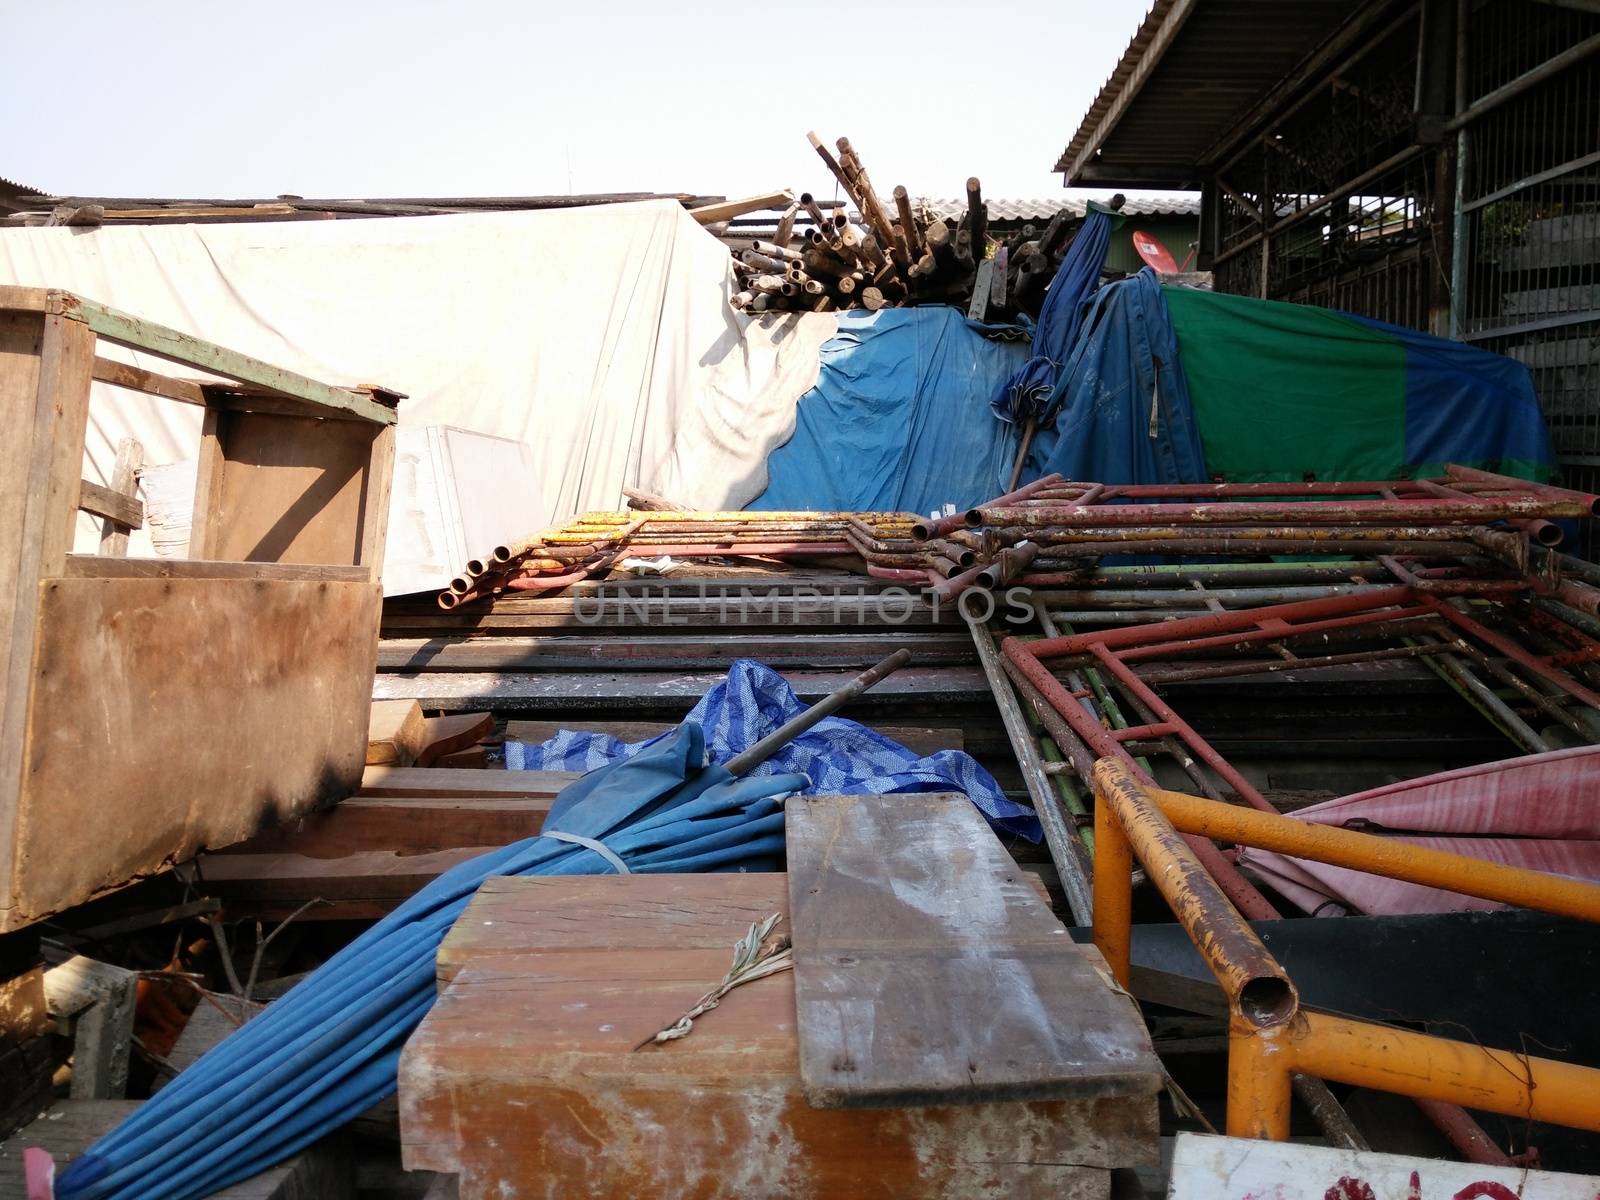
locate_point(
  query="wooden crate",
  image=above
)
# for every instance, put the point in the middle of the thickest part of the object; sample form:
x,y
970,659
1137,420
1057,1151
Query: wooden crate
x,y
522,1080
153,707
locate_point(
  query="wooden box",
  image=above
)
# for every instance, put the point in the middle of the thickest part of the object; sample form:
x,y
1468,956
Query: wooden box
x,y
523,1080
153,707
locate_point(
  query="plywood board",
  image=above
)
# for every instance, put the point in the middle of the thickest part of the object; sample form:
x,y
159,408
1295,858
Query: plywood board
x,y
172,714
928,971
292,489
552,981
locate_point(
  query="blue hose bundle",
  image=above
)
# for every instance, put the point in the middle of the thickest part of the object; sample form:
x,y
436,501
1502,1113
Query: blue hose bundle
x,y
329,1049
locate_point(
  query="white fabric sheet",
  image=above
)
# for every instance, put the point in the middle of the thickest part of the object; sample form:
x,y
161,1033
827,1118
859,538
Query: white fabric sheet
x,y
601,337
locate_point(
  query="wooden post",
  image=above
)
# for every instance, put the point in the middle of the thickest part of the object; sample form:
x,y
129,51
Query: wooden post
x,y
46,361
125,481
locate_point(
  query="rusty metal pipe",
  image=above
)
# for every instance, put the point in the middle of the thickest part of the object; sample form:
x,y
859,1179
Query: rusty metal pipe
x,y
1259,991
1587,500
923,530
1294,512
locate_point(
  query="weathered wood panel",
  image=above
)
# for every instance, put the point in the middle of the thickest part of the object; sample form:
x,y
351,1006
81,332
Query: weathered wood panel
x,y
294,489
928,971
171,714
555,980
45,364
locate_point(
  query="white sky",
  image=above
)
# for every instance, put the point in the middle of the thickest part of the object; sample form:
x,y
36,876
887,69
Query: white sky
x,y
225,99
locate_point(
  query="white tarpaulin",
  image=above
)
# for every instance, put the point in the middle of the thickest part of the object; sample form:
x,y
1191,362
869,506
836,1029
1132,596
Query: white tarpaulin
x,y
601,337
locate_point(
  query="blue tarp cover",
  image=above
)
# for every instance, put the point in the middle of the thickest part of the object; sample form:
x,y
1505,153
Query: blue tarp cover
x,y
1123,411
899,419
839,756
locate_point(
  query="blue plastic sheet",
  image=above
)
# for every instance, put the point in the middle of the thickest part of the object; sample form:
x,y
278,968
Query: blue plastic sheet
x,y
899,419
1031,392
1124,413
838,756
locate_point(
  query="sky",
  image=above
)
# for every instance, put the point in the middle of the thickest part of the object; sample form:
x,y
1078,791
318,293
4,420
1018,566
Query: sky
x,y
409,98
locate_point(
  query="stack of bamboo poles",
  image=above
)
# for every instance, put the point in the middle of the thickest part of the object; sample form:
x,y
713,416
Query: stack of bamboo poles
x,y
899,258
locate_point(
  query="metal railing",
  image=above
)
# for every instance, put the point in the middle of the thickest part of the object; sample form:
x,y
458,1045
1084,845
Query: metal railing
x,y
1270,1037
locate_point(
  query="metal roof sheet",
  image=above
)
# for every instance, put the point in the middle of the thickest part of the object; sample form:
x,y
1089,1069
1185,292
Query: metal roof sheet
x,y
1191,72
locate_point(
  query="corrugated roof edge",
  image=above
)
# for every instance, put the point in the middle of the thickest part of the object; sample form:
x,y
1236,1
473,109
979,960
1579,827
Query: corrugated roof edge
x,y
11,190
1044,209
1114,84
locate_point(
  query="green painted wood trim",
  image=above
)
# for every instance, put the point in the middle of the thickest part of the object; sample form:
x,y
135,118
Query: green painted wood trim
x,y
193,352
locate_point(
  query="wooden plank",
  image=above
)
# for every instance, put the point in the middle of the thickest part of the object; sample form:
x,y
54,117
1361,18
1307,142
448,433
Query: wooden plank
x,y
404,825
546,1000
394,733
710,214
921,739
1226,1168
94,566
441,781
598,651
44,402
375,503
444,736
205,519
97,998
126,375
152,766
324,1171
361,886
292,489
117,508
125,482
658,689
928,972
191,351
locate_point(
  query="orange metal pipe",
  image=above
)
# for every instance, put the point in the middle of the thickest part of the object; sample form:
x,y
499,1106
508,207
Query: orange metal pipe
x,y
1381,856
1113,893
1260,1063
1258,990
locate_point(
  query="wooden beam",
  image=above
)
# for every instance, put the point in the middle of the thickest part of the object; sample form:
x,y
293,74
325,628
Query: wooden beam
x,y
137,379
190,351
114,506
442,781
709,214
124,482
394,733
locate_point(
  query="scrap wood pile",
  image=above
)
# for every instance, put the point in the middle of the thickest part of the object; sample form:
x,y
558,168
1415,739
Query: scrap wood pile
x,y
901,258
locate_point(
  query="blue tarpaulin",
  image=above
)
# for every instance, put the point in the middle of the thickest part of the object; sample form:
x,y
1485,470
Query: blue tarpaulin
x,y
1031,393
899,419
838,756
1124,413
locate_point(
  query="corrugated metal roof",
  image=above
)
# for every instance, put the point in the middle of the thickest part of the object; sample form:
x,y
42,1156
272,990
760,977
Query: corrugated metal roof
x,y
1191,72
1043,210
11,191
